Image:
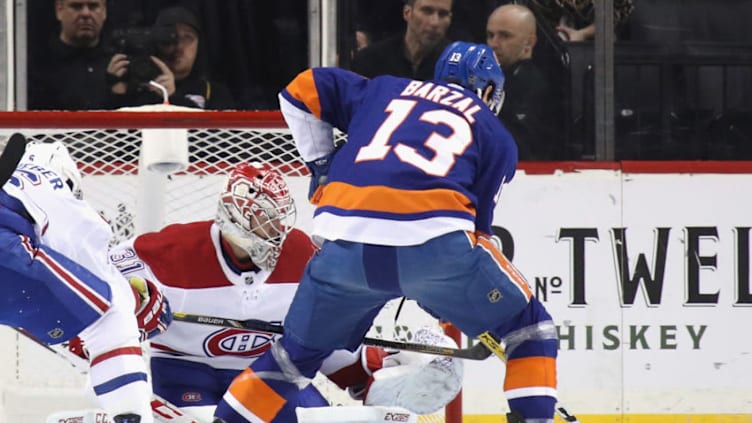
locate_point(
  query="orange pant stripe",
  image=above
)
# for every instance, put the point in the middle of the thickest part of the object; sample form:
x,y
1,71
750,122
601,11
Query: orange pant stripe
x,y
256,396
530,372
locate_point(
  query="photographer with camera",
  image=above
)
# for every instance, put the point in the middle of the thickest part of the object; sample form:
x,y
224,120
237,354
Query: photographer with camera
x,y
160,64
69,74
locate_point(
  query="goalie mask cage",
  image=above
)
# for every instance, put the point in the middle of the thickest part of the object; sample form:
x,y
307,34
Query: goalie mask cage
x,y
107,147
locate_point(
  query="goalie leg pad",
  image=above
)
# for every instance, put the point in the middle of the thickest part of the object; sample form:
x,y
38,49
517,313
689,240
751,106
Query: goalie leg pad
x,y
354,414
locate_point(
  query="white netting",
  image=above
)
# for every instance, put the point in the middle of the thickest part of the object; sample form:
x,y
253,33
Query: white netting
x,y
109,159
114,185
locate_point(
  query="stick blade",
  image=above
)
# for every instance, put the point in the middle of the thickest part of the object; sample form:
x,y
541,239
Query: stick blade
x,y
11,155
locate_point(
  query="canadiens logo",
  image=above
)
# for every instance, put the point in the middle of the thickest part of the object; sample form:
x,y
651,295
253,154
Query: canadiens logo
x,y
237,342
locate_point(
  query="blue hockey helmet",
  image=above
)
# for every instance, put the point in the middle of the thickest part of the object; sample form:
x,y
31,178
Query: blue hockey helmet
x,y
474,67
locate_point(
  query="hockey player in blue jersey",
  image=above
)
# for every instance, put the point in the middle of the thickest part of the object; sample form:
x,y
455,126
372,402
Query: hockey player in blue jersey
x,y
57,284
404,208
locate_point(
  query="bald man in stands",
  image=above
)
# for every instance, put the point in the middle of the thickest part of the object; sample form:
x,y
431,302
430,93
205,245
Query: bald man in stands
x,y
530,107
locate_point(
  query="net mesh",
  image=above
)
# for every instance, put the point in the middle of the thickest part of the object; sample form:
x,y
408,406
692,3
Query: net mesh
x,y
108,160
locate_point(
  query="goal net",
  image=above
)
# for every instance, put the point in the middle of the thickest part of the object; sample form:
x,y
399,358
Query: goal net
x,y
125,180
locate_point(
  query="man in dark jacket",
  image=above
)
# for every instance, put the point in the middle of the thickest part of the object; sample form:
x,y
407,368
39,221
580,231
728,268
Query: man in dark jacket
x,y
179,69
70,74
531,109
414,53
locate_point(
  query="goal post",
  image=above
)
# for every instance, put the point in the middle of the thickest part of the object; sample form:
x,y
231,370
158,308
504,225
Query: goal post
x,y
108,147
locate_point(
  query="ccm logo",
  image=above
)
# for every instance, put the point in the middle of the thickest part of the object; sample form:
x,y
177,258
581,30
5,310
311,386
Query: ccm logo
x,y
396,417
98,418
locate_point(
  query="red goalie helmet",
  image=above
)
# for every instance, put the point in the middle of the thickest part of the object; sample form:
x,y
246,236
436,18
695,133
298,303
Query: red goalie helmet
x,y
256,212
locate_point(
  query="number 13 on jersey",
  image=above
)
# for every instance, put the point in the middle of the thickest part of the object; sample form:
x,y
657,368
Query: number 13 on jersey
x,y
446,148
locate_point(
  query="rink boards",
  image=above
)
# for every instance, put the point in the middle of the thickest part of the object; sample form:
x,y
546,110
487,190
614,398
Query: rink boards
x,y
645,268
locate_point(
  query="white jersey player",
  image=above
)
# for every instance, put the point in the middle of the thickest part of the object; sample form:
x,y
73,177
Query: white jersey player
x,y
57,282
246,264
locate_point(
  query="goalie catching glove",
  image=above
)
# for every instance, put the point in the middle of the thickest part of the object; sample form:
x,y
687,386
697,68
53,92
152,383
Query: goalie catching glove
x,y
153,312
421,383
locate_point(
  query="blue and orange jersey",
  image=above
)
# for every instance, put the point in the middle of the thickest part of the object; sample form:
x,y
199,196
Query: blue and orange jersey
x,y
422,158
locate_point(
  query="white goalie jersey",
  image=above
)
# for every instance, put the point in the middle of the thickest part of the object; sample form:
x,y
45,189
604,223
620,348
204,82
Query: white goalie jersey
x,y
188,264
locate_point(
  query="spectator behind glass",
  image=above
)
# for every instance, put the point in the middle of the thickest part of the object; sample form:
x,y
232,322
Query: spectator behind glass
x,y
70,73
414,53
573,20
180,72
529,110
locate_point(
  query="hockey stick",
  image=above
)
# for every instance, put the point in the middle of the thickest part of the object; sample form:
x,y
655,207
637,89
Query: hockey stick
x,y
490,341
11,155
163,411
479,351
476,352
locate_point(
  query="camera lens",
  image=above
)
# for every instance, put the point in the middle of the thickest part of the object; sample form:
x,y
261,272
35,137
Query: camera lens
x,y
141,70
139,44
